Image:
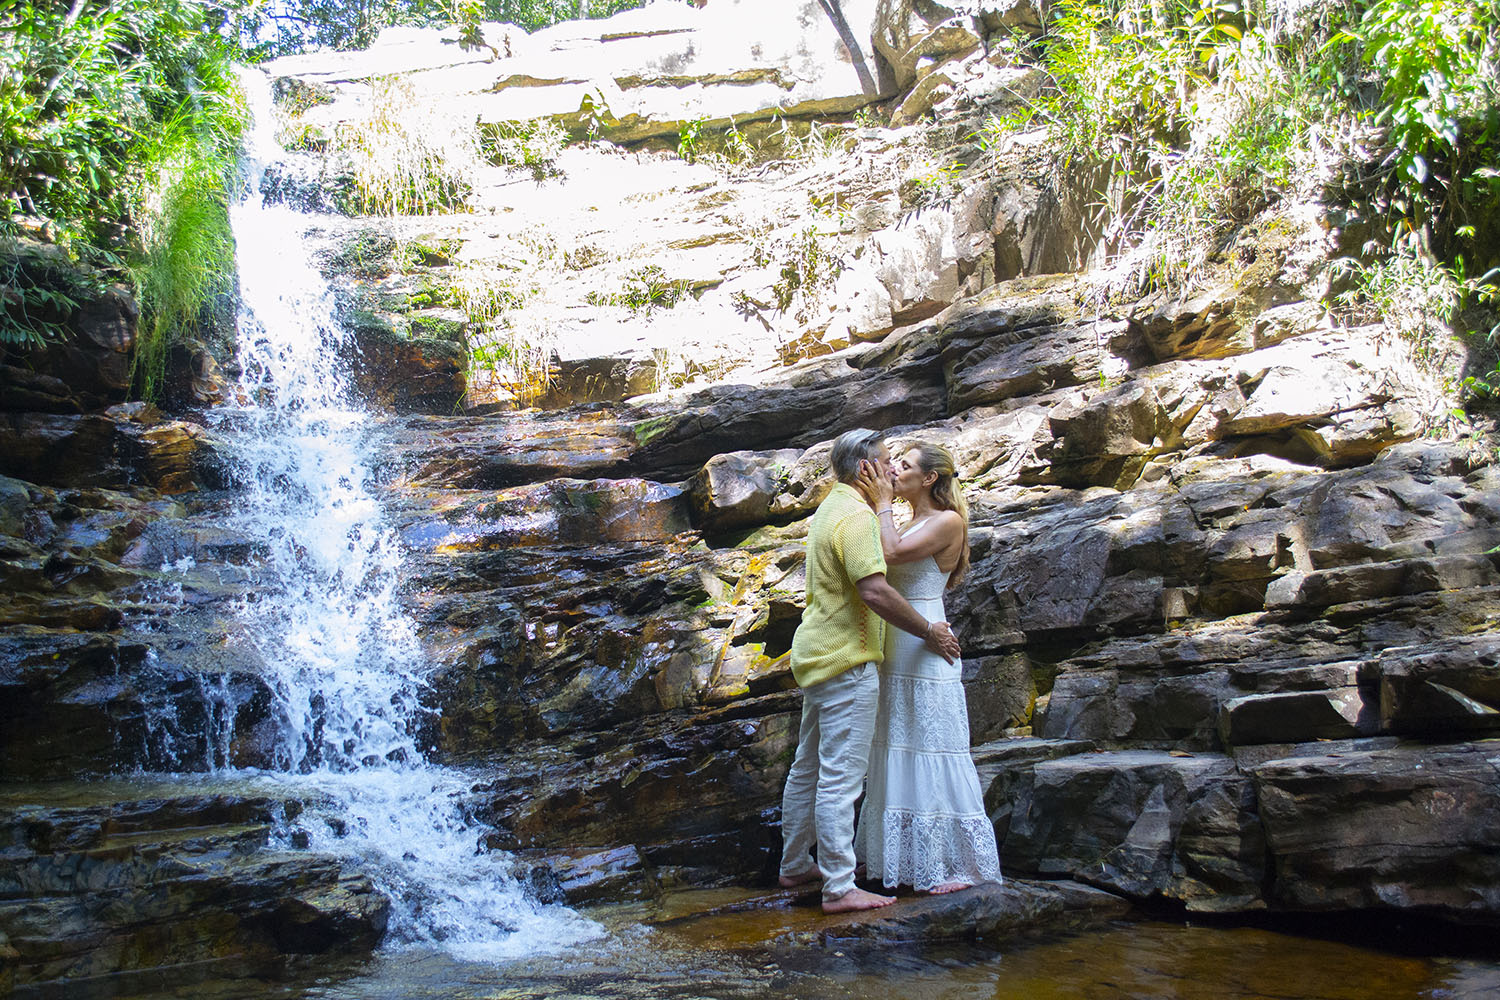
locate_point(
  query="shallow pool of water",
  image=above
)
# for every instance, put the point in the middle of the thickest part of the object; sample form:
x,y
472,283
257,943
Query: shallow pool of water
x,y
1150,959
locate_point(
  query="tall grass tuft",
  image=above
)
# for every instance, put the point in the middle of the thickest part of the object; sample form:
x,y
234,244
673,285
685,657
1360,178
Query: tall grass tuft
x,y
120,124
407,158
186,258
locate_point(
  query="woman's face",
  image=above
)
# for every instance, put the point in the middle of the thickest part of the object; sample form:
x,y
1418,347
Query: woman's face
x,y
907,475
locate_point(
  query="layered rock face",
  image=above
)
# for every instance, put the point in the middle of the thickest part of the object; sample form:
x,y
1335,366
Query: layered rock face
x,y
1230,631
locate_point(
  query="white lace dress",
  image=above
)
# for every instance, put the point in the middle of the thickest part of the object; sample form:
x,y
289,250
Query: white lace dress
x,y
923,822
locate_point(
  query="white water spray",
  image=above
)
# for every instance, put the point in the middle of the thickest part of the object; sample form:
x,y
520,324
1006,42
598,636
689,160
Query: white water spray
x,y
342,658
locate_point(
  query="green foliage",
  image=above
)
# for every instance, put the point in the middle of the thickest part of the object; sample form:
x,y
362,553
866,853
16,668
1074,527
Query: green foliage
x,y
37,298
736,149
811,141
991,135
687,139
120,124
1212,111
88,93
644,291
485,294
648,289
1415,296
535,144
466,18
1479,301
535,14
1121,71
807,268
933,181
268,30
1429,56
583,257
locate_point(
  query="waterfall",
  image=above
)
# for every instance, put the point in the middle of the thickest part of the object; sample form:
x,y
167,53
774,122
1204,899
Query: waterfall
x,y
341,657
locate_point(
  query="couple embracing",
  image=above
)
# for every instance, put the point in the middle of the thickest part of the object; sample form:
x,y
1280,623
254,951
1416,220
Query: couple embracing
x,y
879,672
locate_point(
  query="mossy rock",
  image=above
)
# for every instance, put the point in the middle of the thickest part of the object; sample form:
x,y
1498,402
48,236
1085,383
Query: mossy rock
x,y
366,324
652,427
440,324
431,295
366,253
297,95
435,251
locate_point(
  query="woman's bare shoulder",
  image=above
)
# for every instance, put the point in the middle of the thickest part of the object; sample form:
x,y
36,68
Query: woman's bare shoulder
x,y
948,521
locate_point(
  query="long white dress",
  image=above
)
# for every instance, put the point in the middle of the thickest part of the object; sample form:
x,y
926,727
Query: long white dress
x,y
923,822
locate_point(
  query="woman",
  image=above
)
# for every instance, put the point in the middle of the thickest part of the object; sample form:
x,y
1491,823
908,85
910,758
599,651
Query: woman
x,y
923,822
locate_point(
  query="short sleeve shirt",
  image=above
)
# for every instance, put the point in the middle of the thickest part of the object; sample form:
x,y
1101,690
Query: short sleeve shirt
x,y
838,629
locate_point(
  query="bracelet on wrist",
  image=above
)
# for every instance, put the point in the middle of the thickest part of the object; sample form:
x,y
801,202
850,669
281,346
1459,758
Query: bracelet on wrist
x,y
886,510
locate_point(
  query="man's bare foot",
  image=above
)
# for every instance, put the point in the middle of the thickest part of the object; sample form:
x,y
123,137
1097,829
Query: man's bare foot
x,y
792,881
947,887
856,899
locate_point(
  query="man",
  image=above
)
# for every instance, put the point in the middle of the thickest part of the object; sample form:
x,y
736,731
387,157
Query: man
x,y
836,654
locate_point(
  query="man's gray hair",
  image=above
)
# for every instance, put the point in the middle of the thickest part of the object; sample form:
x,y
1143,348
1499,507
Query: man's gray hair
x,y
851,448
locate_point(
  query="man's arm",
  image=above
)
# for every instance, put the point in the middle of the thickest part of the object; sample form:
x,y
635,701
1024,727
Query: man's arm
x,y
887,602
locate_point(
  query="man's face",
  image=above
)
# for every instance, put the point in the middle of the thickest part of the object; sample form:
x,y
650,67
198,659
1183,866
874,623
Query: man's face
x,y
881,457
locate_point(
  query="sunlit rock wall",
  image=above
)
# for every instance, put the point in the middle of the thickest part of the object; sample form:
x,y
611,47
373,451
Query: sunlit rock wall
x,y
1230,631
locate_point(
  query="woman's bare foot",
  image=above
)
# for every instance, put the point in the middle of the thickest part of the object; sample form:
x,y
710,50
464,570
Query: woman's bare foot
x,y
856,899
792,881
947,887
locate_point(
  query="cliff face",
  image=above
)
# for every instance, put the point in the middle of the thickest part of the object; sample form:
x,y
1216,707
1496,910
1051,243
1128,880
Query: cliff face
x,y
1230,633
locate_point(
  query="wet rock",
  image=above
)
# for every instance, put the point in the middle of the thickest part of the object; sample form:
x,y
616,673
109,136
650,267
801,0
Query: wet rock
x,y
984,912
419,374
87,364
61,450
77,703
559,511
694,794
126,445
339,913
1441,689
1404,827
193,379
736,489
619,873
547,640
1296,716
97,887
57,705
1143,824
497,451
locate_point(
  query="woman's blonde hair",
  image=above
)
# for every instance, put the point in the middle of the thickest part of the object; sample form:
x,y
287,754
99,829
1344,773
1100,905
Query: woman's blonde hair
x,y
946,494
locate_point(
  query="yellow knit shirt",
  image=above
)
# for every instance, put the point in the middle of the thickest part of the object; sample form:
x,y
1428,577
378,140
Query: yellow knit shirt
x,y
838,629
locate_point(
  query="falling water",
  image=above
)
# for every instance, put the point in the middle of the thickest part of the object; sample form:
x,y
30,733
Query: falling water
x,y
342,658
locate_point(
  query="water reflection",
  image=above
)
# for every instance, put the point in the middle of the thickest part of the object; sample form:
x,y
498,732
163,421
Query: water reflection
x,y
1134,961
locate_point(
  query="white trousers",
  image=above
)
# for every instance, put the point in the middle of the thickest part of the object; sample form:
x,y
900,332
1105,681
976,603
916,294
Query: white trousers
x,y
833,751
